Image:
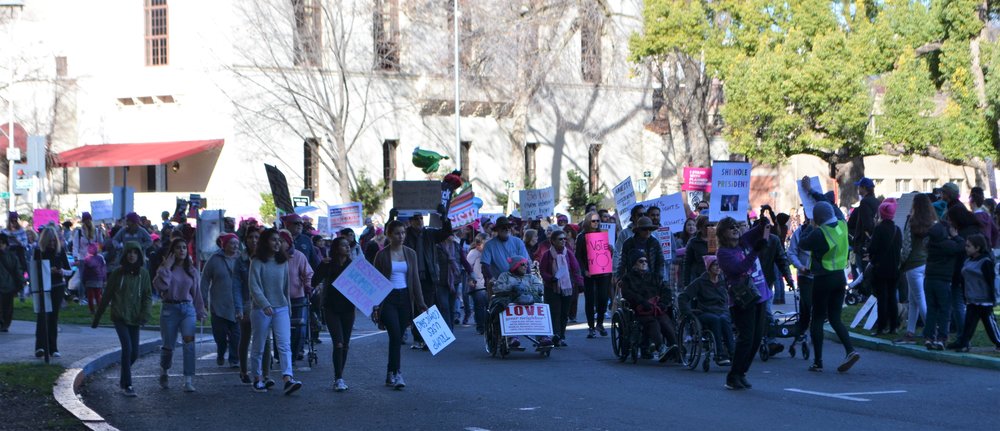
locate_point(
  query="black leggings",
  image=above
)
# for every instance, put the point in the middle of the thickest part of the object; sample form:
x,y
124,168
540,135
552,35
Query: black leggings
x,y
339,324
395,314
595,297
559,310
828,300
888,304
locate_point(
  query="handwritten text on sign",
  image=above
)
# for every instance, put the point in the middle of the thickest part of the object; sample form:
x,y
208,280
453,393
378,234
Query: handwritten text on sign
x,y
346,215
624,200
665,238
433,328
531,319
537,203
598,253
363,285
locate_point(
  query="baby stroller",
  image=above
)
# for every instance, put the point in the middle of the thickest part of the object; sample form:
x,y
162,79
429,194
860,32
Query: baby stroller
x,y
786,325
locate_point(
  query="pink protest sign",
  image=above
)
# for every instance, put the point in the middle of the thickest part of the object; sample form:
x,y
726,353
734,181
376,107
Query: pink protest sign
x,y
697,179
598,253
42,217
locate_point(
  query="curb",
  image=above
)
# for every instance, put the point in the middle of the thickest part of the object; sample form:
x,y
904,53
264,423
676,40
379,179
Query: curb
x,y
919,352
68,384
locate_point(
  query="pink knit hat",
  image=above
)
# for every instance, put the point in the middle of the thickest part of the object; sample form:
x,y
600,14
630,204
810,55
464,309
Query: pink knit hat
x,y
887,210
516,262
709,259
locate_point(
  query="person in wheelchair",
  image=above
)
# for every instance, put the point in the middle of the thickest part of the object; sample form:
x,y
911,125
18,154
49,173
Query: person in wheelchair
x,y
710,298
650,298
519,286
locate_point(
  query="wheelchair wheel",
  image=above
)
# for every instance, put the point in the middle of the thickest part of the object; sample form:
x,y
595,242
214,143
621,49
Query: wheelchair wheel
x,y
619,337
492,334
689,336
708,343
634,340
765,354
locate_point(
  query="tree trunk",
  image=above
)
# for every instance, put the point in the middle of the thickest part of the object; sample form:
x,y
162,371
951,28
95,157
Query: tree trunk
x,y
847,171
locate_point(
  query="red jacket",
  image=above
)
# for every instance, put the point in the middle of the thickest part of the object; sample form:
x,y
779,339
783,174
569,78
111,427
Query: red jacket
x,y
547,267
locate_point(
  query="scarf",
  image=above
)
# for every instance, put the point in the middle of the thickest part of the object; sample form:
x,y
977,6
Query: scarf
x,y
562,272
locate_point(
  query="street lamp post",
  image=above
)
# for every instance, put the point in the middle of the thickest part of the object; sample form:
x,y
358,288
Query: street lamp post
x,y
15,7
458,104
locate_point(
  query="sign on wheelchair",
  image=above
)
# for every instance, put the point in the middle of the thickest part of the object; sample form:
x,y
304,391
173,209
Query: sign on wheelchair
x,y
531,319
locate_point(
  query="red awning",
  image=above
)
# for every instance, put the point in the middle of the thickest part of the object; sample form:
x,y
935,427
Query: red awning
x,y
114,155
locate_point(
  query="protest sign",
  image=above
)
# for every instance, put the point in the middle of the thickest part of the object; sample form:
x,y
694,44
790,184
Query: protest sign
x,y
42,217
598,253
462,212
416,195
531,319
730,191
537,203
693,198
279,189
610,228
808,203
345,215
433,329
624,200
363,285
672,213
697,179
101,210
666,239
40,285
122,201
903,207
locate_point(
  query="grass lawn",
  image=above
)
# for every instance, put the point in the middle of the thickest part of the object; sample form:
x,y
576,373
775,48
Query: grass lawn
x,y
978,340
76,314
26,391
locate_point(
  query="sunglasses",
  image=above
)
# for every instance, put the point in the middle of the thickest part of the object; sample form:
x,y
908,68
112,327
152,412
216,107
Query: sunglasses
x,y
642,261
559,238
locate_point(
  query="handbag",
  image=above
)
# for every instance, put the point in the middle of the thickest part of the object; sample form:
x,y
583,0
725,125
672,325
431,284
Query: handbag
x,y
745,294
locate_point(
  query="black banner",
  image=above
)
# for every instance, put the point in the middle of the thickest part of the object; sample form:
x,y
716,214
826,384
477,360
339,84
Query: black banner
x,y
279,189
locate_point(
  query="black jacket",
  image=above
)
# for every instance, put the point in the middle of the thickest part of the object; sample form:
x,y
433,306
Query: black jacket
x,y
773,255
861,224
708,297
694,265
884,249
332,298
943,252
654,254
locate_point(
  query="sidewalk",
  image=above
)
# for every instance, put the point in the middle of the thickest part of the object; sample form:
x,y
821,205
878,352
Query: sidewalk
x,y
75,342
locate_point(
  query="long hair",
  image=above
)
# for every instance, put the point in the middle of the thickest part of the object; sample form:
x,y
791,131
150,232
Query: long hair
x,y
47,236
88,229
188,262
250,230
979,242
922,216
585,224
264,252
702,224
960,217
335,246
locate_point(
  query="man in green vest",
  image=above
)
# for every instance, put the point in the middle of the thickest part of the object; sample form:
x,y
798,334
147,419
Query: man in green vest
x,y
829,246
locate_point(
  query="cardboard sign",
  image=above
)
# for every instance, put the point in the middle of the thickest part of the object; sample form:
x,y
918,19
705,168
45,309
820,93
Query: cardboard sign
x,y
697,179
666,238
903,207
101,210
808,203
538,203
434,329
210,226
41,276
713,241
598,253
279,189
462,212
363,285
624,200
730,191
42,217
345,215
122,201
416,195
672,213
531,319
611,229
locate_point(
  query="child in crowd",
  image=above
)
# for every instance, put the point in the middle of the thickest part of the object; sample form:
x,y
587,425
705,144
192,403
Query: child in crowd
x,y
981,293
94,273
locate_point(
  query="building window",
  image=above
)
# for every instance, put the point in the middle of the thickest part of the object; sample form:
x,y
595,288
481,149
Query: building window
x,y
591,27
463,159
389,161
903,185
308,32
385,29
61,68
930,184
529,163
310,165
958,182
65,181
594,168
156,32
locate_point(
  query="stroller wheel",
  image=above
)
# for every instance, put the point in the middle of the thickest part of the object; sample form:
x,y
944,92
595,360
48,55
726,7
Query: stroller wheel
x,y
764,353
791,350
805,351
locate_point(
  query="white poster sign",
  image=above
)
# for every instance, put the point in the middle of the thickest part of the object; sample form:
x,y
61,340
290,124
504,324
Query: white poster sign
x,y
611,228
730,191
434,330
903,207
624,200
537,203
531,319
345,215
666,239
44,280
363,285
808,203
672,213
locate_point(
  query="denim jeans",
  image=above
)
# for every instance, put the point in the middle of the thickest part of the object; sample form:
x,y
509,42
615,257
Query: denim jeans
x,y
128,336
916,303
938,294
779,286
479,301
176,318
261,324
722,328
446,305
467,307
958,308
227,338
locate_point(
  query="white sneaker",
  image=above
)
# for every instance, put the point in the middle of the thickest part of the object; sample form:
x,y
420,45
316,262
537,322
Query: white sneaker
x,y
56,355
339,385
398,382
189,384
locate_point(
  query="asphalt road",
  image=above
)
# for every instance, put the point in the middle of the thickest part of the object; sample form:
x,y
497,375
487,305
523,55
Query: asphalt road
x,y
580,387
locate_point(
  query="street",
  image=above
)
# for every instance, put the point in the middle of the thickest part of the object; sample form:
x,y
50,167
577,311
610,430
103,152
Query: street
x,y
580,387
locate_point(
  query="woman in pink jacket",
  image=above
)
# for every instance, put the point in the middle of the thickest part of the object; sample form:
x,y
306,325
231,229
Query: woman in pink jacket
x,y
300,276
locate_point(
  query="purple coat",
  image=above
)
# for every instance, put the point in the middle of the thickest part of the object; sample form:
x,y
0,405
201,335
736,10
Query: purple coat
x,y
547,267
736,265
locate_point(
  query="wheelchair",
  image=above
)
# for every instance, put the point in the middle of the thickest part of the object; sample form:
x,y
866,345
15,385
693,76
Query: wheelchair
x,y
626,331
497,344
697,344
